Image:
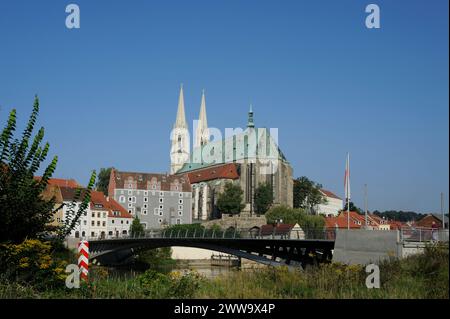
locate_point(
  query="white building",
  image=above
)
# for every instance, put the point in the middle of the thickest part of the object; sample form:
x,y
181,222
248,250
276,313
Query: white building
x,y
333,204
119,220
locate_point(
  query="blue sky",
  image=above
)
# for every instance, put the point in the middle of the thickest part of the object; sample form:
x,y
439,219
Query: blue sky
x,y
312,69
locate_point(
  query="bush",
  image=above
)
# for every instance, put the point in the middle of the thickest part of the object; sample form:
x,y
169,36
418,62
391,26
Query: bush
x,y
293,216
32,262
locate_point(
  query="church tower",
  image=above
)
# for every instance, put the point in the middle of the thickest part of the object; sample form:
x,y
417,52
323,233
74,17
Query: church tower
x,y
202,132
179,152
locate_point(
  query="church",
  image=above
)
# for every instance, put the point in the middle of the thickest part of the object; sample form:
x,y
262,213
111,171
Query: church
x,y
247,157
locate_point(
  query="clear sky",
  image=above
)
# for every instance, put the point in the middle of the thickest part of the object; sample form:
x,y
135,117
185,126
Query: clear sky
x,y
311,69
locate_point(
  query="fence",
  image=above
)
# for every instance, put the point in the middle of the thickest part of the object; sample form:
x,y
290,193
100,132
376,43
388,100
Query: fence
x,y
422,234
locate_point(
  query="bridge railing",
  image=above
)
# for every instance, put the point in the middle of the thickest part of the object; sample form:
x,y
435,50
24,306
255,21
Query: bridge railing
x,y
311,234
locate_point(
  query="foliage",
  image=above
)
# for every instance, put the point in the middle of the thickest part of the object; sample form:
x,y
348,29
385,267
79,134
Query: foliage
x,y
307,194
136,228
353,208
230,201
158,258
174,285
24,212
32,262
103,180
399,215
263,198
295,215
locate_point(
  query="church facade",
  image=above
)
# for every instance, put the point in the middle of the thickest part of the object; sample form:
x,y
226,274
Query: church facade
x,y
247,157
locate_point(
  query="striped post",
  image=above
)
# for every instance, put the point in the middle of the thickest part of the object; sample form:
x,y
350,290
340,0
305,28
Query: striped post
x,y
83,259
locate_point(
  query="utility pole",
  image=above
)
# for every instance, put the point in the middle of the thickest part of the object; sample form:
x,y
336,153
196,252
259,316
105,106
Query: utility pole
x,y
365,203
442,210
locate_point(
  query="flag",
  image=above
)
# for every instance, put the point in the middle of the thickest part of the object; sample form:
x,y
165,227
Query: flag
x,y
347,178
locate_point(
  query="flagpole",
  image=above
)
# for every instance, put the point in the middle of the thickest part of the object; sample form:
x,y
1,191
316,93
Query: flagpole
x,y
348,190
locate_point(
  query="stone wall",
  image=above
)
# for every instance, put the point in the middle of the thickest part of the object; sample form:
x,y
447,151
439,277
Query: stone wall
x,y
242,221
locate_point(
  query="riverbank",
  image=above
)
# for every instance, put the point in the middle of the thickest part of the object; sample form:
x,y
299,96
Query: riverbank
x,y
419,276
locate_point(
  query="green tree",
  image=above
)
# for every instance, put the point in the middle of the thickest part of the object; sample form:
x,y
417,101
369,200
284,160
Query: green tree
x,y
136,228
295,215
103,180
24,212
230,201
353,208
307,194
263,198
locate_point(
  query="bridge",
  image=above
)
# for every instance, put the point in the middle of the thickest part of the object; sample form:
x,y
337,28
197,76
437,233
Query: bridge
x,y
301,249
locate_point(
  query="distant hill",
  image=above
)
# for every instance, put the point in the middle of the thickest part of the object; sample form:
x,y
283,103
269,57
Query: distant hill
x,y
399,215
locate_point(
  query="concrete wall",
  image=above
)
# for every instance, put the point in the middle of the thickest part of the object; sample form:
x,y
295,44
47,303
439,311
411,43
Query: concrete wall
x,y
365,246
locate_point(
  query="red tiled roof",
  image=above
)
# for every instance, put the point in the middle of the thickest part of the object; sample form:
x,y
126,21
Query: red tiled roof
x,y
116,207
341,221
145,181
226,171
61,182
329,194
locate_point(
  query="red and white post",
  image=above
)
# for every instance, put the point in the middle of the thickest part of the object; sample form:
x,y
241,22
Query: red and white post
x,y
83,259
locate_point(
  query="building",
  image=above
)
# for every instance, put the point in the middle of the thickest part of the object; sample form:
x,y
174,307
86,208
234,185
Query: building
x,y
427,221
158,200
246,158
282,231
119,220
99,209
332,206
71,204
53,191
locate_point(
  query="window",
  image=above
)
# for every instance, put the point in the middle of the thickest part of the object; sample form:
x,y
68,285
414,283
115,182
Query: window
x,y
161,200
154,186
130,211
178,221
92,223
145,193
130,192
160,213
180,207
180,195
121,221
145,206
144,212
83,234
98,223
161,207
128,222
130,205
104,224
104,215
145,199
124,232
110,233
85,222
161,193
92,234
180,201
122,199
180,213
93,214
160,220
99,215
130,199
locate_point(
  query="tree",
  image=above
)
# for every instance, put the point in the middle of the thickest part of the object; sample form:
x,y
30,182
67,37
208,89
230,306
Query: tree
x,y
263,198
295,216
353,208
136,228
230,201
24,212
103,180
307,193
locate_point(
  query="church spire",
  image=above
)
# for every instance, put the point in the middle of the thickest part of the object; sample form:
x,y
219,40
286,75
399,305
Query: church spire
x,y
202,132
250,122
180,122
179,151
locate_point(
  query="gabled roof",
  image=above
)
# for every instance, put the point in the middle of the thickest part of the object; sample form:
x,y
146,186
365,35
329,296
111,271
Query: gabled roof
x,y
61,182
117,210
329,194
143,181
226,171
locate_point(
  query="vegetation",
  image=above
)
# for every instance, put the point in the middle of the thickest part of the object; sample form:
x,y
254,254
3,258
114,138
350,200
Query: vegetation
x,y
230,201
293,216
24,212
263,198
103,180
136,228
399,215
307,194
418,276
353,208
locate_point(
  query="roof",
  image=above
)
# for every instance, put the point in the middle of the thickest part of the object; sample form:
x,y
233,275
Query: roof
x,y
225,171
52,191
99,201
439,216
68,193
341,221
279,229
61,182
118,209
248,144
146,181
327,193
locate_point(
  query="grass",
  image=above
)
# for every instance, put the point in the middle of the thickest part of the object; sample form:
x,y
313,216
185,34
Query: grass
x,y
419,276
